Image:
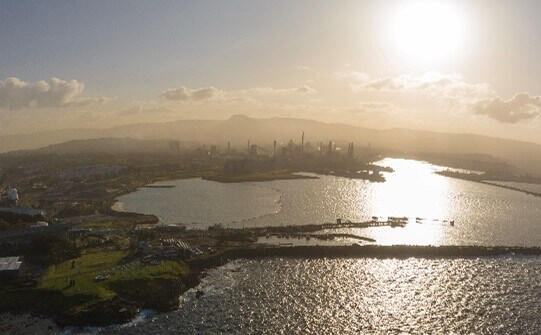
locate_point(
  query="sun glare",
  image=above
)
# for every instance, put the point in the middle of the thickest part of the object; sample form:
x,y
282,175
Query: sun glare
x,y
427,31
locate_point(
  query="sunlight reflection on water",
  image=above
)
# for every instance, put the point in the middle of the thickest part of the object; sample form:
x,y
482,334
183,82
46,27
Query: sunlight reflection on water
x,y
484,214
410,190
493,295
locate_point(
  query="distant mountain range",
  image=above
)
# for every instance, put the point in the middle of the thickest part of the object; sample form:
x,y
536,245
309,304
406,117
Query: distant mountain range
x,y
239,129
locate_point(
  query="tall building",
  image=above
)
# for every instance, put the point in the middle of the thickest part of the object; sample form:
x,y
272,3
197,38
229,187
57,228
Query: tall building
x,y
350,150
302,143
253,150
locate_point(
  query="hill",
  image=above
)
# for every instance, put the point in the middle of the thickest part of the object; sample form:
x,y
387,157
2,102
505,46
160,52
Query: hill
x,y
239,129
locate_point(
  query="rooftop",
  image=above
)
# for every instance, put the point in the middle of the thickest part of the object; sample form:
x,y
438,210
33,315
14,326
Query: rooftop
x,y
21,211
10,263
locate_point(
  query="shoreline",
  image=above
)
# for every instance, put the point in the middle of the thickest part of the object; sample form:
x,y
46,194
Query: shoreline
x,y
258,177
115,207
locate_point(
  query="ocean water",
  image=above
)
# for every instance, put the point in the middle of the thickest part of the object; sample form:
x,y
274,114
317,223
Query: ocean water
x,y
486,295
483,214
494,295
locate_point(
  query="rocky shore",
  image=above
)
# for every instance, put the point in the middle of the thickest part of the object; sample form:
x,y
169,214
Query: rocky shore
x,y
26,324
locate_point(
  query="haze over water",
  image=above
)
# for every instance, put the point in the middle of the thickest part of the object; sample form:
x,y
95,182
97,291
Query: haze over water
x,y
483,214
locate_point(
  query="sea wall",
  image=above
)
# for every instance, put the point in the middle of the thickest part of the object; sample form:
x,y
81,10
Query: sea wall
x,y
355,251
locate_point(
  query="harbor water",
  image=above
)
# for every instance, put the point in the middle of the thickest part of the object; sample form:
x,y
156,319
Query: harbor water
x,y
483,214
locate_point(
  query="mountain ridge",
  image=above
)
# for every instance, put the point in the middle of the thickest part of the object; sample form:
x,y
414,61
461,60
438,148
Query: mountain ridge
x,y
238,129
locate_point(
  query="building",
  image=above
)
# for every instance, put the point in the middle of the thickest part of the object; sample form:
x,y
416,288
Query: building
x,y
253,150
350,150
15,214
10,197
330,148
40,224
10,267
74,233
213,151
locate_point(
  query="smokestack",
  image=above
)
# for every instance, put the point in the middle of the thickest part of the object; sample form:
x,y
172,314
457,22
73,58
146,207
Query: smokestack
x,y
302,143
274,150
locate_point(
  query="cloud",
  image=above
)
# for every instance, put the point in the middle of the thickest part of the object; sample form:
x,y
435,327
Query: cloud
x,y
521,107
190,94
16,94
477,98
447,86
375,105
305,89
142,110
304,68
85,101
385,84
372,108
270,91
253,96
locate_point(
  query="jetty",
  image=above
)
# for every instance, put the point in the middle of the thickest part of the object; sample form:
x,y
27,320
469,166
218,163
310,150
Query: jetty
x,y
159,186
310,228
375,222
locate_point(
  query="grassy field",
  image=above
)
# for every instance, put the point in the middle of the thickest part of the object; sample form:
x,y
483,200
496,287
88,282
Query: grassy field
x,y
82,272
71,287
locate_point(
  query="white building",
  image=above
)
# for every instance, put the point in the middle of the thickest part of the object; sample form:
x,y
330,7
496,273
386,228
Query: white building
x,y
10,196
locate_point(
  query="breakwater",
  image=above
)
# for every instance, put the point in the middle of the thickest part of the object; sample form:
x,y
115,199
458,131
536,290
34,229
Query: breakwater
x,y
479,179
535,194
357,251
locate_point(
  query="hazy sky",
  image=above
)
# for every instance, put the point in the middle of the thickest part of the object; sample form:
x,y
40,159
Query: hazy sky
x,y
460,66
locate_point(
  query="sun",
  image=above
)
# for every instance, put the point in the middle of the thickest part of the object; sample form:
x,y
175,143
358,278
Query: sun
x,y
427,31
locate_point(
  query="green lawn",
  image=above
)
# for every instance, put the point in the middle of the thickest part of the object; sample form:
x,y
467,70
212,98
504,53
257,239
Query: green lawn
x,y
155,286
165,270
85,269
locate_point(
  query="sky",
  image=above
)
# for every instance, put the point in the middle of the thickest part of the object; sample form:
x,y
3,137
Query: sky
x,y
452,66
